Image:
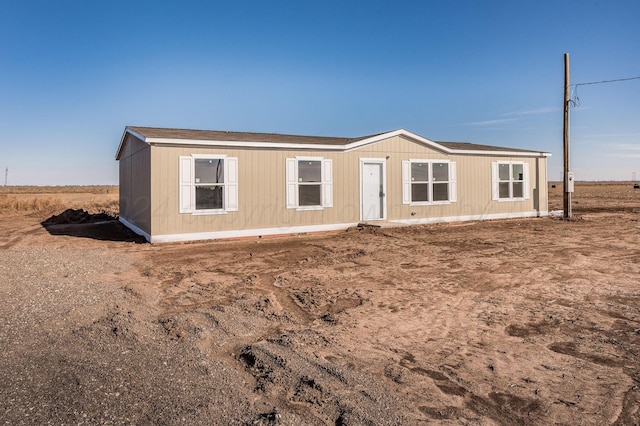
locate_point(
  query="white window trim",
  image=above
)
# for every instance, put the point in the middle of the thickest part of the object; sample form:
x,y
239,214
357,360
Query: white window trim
x,y
187,187
292,184
406,183
495,181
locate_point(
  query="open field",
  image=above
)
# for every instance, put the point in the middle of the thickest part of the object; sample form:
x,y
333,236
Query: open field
x,y
54,199
504,322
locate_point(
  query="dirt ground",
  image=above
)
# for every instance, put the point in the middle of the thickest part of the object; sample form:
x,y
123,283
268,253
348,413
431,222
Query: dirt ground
x,y
531,321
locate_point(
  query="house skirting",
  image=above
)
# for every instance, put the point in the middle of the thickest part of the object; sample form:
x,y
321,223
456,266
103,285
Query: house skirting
x,y
243,233
240,233
516,215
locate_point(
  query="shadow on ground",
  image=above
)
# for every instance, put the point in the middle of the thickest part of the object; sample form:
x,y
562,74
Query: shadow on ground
x,y
100,226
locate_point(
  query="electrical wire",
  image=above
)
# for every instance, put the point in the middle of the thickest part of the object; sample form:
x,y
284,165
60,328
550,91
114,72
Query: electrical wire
x,y
607,81
575,100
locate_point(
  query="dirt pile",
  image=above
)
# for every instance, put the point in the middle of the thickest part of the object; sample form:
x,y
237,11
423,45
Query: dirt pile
x,y
98,226
77,216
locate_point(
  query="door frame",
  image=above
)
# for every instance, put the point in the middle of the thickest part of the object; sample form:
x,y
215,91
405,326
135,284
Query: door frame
x,y
383,177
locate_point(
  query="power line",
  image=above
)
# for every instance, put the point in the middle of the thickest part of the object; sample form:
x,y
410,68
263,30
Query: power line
x,y
575,100
606,81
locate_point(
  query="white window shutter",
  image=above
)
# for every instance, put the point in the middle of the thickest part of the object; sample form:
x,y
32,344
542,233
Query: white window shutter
x,y
291,172
187,193
406,182
327,184
453,185
495,182
525,172
231,184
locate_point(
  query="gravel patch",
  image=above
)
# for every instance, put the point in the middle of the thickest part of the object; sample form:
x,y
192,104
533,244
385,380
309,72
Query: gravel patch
x,y
78,350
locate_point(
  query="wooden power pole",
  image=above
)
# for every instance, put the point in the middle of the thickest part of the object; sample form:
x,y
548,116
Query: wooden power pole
x,y
568,177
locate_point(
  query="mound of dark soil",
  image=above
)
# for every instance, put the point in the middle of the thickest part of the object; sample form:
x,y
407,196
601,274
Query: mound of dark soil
x,y
99,226
73,216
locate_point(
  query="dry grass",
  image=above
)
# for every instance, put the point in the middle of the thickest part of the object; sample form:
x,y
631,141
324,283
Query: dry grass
x,y
110,207
55,199
9,203
74,189
596,196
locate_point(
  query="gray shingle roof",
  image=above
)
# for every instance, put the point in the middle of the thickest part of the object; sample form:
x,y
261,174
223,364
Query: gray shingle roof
x,y
467,146
220,135
228,136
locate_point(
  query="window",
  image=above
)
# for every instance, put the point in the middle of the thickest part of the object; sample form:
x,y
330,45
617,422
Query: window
x,y
428,182
510,181
309,183
208,184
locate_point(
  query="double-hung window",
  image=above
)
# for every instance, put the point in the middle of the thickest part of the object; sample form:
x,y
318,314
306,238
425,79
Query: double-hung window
x,y
208,184
510,180
309,183
428,182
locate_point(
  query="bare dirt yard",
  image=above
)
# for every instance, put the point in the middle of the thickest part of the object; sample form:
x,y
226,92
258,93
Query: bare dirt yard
x,y
531,321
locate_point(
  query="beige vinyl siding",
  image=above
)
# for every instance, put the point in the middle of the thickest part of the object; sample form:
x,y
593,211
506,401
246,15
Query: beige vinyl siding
x,y
135,183
473,183
261,193
261,180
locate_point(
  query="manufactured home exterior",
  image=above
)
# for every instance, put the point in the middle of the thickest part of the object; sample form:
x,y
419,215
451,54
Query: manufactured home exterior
x,y
180,185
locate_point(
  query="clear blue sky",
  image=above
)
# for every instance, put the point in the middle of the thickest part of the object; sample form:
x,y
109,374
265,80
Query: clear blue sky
x,y
73,74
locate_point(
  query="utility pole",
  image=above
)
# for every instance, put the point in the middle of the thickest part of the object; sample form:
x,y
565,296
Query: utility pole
x,y
6,176
568,177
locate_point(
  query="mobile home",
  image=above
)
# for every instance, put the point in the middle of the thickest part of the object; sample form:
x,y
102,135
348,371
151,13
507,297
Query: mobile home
x,y
179,185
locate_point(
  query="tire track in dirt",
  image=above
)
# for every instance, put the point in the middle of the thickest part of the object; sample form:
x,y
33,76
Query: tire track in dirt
x,y
272,284
16,235
321,392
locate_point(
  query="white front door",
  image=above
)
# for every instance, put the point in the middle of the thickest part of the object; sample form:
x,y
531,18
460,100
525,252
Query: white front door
x,y
372,181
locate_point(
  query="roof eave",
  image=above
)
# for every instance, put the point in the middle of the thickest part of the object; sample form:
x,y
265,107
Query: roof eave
x,y
123,139
502,153
399,132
